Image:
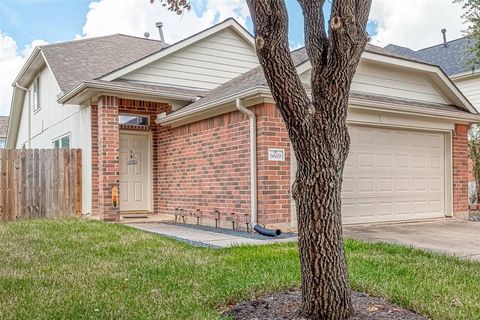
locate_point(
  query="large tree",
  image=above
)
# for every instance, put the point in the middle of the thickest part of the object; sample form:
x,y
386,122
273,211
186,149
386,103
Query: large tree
x,y
317,128
471,17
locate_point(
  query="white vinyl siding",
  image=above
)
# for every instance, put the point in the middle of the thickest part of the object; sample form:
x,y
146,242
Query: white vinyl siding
x,y
203,65
470,87
378,79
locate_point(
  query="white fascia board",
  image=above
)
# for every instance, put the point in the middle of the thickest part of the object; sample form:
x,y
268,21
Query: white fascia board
x,y
464,75
356,103
182,115
26,66
229,23
119,88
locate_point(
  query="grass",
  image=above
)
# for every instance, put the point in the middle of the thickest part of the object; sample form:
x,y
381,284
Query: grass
x,y
74,269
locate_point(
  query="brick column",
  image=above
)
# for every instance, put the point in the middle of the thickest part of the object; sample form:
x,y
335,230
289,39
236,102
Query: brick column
x,y
460,169
108,163
274,181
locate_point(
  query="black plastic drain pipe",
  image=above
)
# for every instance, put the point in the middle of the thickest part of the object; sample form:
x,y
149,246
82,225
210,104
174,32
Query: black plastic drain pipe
x,y
267,232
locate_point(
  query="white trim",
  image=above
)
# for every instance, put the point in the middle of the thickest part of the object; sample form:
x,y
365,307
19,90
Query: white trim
x,y
466,74
229,23
112,87
188,115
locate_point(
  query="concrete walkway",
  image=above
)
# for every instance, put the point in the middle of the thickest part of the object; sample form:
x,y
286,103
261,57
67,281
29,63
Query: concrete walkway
x,y
214,239
454,237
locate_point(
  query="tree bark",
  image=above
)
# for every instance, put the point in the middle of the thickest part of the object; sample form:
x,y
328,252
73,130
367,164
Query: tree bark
x,y
318,133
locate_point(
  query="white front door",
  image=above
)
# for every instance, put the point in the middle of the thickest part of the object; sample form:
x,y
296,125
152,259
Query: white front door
x,y
135,172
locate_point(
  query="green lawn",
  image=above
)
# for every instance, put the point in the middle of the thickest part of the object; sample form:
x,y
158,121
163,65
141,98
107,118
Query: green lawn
x,y
74,269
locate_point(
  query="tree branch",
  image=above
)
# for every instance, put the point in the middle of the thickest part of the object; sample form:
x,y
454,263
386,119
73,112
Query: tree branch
x,y
316,41
270,21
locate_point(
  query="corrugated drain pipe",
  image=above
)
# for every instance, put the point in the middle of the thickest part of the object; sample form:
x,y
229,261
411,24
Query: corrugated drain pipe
x,y
253,171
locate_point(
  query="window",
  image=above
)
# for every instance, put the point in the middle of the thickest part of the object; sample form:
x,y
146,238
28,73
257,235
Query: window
x,y
133,120
2,143
36,96
62,142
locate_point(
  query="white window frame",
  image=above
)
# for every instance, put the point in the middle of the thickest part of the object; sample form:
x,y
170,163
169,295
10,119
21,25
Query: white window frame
x,y
36,95
59,139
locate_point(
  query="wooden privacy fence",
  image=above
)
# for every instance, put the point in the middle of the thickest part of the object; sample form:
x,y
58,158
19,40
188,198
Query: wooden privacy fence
x,y
38,183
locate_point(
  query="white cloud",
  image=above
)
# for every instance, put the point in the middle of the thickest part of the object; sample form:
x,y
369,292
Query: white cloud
x,y
415,23
139,16
11,61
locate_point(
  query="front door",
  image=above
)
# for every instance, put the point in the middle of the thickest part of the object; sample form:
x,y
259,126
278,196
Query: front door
x,y
135,172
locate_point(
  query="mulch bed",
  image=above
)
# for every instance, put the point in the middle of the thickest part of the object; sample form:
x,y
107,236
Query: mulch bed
x,y
286,306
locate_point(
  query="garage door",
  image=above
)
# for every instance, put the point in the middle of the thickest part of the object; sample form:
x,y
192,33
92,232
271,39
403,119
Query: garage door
x,y
393,175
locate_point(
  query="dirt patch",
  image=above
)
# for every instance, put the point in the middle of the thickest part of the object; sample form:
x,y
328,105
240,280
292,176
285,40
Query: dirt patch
x,y
286,306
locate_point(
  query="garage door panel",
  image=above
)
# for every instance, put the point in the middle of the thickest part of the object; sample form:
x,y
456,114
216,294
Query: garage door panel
x,y
392,175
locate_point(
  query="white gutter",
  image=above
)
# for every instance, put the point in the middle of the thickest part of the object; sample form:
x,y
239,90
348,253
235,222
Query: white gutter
x,y
253,159
121,89
27,93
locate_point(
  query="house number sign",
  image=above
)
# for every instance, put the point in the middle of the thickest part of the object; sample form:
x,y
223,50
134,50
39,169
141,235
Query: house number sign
x,y
275,154
131,161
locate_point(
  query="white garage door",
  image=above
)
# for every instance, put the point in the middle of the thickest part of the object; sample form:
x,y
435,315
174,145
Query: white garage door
x,y
393,175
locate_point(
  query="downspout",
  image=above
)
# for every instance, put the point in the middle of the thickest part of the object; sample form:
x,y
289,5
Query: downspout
x,y
253,159
29,114
253,171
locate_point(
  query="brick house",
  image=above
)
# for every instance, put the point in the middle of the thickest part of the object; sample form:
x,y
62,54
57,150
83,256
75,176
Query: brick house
x,y
192,125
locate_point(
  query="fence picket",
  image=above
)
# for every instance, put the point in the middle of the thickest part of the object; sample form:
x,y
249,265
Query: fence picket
x,y
38,183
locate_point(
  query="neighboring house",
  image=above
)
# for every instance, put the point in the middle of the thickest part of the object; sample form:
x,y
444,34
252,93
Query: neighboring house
x,y
167,126
3,131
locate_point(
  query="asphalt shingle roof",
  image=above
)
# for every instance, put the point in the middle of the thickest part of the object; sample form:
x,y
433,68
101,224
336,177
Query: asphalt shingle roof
x,y
76,61
453,58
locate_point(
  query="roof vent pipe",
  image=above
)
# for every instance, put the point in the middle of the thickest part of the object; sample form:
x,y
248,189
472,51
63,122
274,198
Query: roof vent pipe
x,y
444,32
146,35
160,31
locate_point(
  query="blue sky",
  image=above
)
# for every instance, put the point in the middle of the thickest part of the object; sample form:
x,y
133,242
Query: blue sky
x,y
60,20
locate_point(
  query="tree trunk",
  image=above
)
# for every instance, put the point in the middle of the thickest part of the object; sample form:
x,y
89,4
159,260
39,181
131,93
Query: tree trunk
x,y
317,191
318,132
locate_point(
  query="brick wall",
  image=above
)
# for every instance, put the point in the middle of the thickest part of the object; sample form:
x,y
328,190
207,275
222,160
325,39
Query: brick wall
x,y
460,169
205,165
274,180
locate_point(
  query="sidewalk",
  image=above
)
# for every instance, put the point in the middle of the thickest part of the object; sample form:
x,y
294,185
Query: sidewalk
x,y
202,237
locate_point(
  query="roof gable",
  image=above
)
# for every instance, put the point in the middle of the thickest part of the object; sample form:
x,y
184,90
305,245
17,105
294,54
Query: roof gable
x,y
204,64
231,24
